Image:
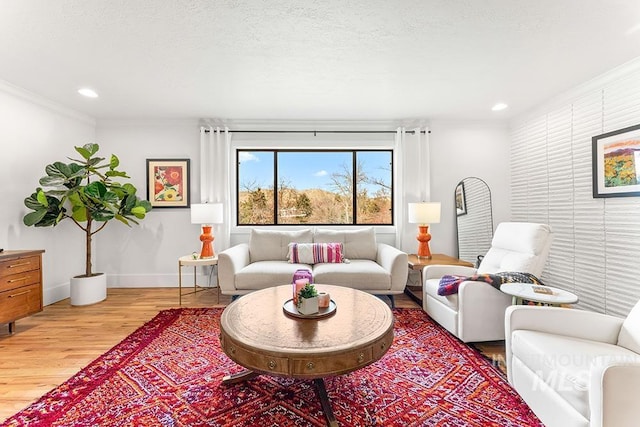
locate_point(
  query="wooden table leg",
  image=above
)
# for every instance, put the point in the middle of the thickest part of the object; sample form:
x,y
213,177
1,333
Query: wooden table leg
x,y
324,401
239,377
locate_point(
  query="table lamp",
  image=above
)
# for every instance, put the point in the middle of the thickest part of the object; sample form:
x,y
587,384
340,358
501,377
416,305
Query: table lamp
x,y
206,214
424,213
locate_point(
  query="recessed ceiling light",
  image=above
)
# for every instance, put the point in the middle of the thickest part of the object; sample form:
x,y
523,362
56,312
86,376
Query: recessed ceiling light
x,y
89,93
499,106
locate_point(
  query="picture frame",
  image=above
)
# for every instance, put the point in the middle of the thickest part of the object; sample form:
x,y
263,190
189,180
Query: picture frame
x,y
168,183
616,163
461,201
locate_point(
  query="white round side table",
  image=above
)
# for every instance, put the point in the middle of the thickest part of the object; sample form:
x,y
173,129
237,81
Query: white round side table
x,y
189,260
525,291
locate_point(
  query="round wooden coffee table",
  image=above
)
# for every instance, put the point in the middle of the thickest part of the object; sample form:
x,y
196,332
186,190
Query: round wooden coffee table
x,y
257,334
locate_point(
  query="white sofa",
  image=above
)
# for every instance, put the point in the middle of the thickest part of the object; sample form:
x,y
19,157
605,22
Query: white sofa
x,y
476,312
372,267
574,367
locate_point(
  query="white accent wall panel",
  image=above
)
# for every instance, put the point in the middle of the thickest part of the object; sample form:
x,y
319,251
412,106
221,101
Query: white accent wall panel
x,y
596,244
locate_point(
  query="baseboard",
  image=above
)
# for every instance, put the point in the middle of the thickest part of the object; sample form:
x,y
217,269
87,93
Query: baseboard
x,y
55,294
156,280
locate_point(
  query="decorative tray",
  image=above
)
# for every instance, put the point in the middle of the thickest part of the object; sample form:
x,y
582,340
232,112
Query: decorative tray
x,y
289,308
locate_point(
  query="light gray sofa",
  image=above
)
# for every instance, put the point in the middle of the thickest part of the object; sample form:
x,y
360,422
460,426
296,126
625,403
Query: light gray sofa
x,y
372,267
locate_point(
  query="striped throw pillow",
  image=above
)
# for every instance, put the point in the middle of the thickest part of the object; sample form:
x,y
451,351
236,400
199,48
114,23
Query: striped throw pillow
x,y
315,253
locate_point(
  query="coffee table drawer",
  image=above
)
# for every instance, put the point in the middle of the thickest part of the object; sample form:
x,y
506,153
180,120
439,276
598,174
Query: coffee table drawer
x,y
255,361
331,365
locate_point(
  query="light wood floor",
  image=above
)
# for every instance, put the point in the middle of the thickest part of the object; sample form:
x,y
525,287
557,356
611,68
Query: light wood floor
x,y
50,347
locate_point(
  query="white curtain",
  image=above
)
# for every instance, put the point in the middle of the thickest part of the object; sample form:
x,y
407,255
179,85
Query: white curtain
x,y
215,152
412,180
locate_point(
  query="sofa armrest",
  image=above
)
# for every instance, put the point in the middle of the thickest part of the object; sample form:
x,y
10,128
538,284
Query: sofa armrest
x,y
613,392
575,323
561,321
230,261
437,271
396,263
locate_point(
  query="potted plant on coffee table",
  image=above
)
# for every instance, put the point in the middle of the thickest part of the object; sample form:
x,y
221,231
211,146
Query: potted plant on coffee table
x,y
88,192
308,300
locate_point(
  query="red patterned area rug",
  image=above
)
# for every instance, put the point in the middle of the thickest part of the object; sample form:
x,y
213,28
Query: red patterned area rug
x,y
168,373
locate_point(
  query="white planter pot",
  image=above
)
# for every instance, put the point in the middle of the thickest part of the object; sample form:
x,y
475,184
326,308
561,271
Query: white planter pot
x,y
88,290
308,306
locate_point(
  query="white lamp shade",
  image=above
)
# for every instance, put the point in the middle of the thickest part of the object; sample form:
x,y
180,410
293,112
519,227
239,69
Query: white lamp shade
x,y
424,213
206,213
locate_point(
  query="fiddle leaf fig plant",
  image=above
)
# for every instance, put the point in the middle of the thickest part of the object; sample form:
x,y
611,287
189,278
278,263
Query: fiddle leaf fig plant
x,y
86,192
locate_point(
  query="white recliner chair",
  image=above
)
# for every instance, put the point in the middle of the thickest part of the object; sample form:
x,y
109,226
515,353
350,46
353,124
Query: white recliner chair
x,y
574,367
476,312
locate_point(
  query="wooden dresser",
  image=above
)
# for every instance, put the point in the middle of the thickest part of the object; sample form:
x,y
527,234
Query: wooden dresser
x,y
20,285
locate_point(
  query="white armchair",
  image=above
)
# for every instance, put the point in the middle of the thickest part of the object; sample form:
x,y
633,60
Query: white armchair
x,y
476,312
574,367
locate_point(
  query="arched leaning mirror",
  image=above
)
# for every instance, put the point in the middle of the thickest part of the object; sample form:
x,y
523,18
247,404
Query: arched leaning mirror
x,y
474,218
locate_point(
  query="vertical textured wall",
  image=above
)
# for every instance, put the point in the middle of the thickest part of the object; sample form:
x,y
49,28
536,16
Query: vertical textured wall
x,y
596,244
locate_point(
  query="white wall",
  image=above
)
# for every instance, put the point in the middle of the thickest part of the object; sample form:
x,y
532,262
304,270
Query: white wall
x,y
459,150
34,133
596,243
37,132
147,255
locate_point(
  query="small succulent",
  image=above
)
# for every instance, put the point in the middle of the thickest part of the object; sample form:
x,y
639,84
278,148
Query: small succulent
x,y
309,291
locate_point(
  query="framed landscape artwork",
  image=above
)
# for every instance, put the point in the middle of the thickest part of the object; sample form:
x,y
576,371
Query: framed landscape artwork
x,y
616,163
461,203
168,183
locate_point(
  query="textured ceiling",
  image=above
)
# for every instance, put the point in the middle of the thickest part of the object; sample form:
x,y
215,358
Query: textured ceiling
x,y
294,59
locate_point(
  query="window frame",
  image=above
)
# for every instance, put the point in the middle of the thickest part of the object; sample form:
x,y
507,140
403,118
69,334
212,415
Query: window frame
x,y
354,160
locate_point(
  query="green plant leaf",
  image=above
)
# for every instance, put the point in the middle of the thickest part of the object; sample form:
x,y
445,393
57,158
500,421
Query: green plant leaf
x,y
42,198
123,220
116,173
94,161
95,190
114,162
103,216
58,169
35,217
139,212
52,181
79,213
32,202
145,204
83,152
129,188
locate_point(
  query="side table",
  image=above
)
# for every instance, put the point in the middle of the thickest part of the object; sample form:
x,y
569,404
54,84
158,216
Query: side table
x,y
525,291
418,264
189,260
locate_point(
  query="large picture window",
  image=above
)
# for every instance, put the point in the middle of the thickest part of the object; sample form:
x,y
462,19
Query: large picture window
x,y
283,187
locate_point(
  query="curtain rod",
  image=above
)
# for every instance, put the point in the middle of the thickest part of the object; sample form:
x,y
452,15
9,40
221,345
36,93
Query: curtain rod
x,y
315,132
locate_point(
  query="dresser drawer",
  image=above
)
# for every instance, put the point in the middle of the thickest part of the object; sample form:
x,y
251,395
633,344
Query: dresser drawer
x,y
18,280
11,266
20,302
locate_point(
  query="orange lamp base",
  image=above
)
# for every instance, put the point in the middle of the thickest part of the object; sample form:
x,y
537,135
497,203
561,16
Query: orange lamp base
x,y
423,237
206,238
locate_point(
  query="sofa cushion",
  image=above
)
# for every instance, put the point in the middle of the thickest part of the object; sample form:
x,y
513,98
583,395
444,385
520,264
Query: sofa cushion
x,y
563,362
431,289
314,253
356,274
269,245
358,244
264,274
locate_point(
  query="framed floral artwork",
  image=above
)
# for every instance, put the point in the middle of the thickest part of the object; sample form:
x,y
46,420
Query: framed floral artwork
x,y
168,183
616,163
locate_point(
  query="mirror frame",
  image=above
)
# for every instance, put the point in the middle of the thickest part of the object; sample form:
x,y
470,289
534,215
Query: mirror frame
x,y
463,208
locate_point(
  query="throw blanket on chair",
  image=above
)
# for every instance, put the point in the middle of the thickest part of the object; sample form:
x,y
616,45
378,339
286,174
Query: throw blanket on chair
x,y
449,284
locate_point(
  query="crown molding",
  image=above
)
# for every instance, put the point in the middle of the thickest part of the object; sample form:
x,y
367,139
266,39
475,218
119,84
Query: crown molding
x,y
18,92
